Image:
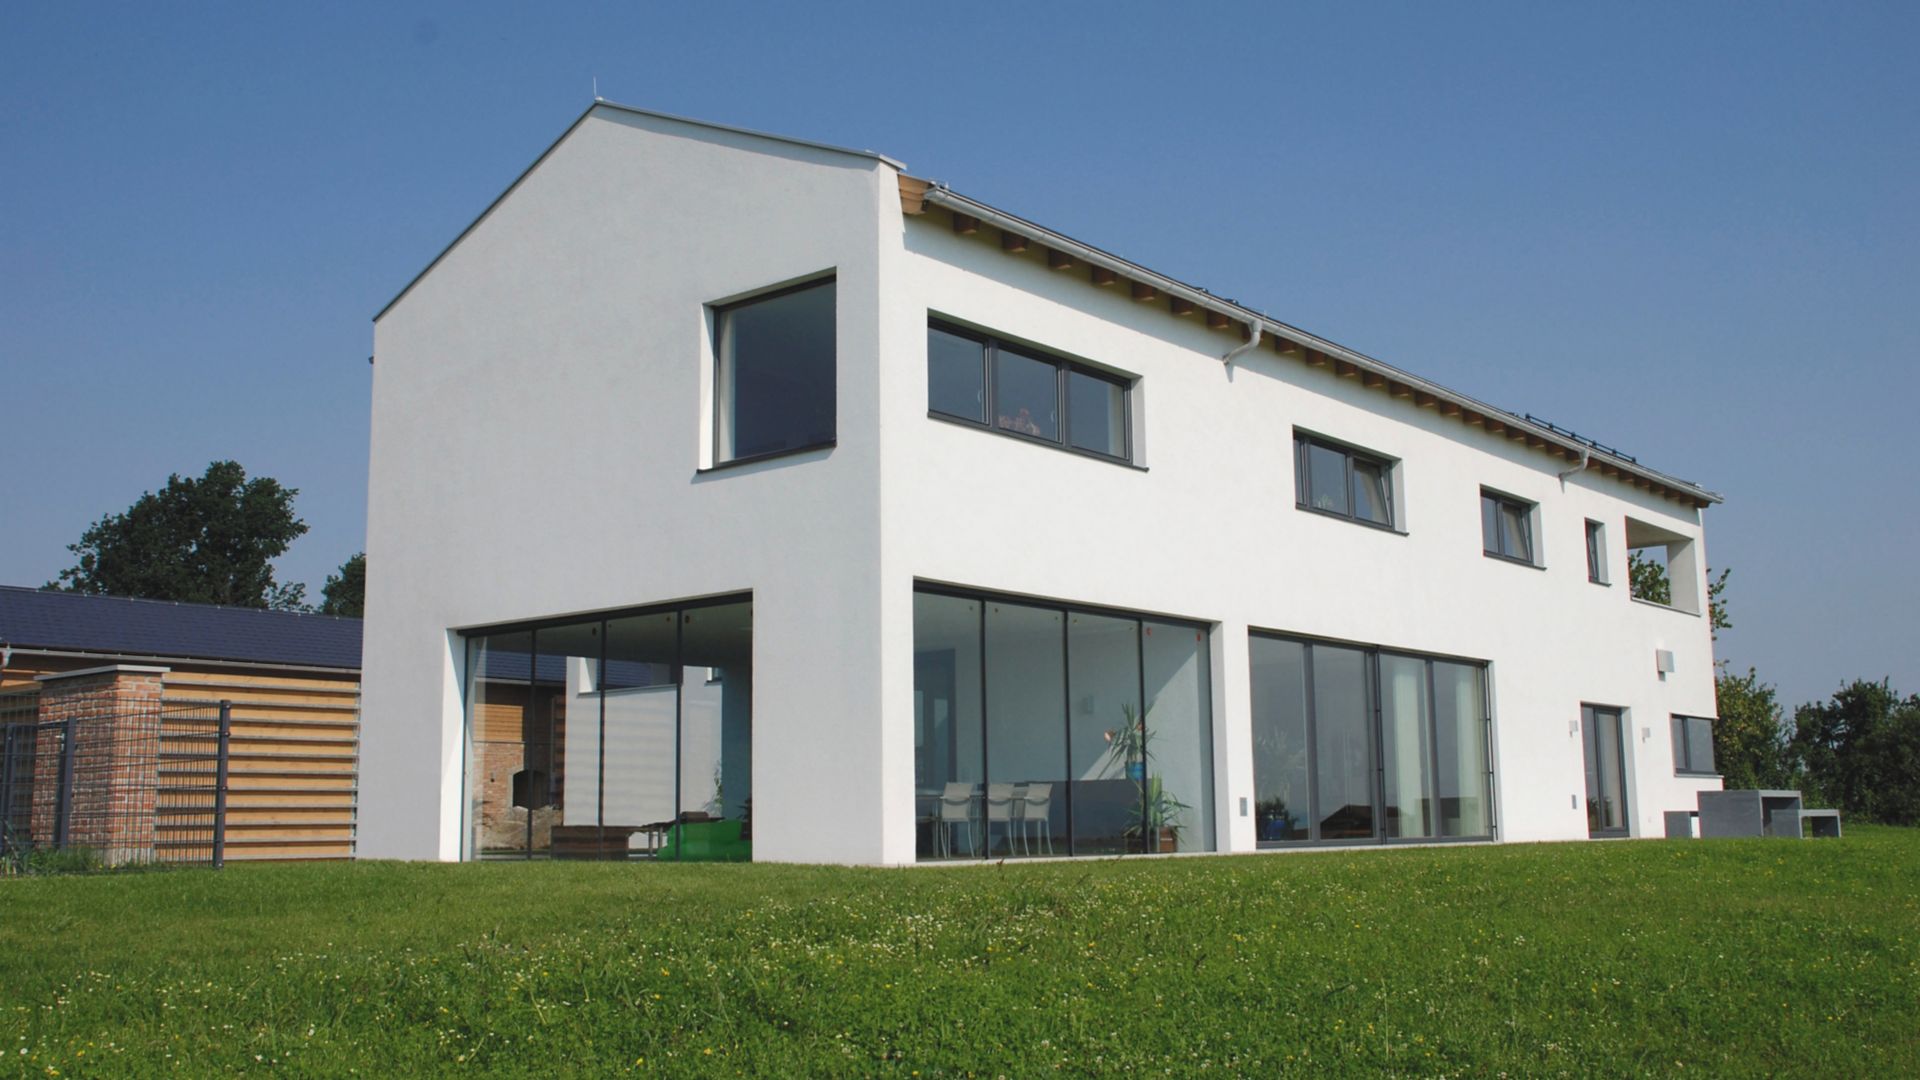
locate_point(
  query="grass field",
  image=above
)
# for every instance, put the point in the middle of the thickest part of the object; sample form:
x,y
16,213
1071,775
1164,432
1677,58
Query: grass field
x,y
1664,957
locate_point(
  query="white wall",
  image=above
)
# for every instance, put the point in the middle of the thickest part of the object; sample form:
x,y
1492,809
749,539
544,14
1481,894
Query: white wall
x,y
555,365
1209,530
540,412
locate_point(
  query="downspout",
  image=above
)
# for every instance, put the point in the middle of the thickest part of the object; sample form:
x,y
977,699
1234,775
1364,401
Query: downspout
x,y
1586,456
1252,342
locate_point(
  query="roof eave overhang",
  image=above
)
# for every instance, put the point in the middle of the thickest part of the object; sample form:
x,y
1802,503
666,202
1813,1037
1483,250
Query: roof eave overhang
x,y
939,195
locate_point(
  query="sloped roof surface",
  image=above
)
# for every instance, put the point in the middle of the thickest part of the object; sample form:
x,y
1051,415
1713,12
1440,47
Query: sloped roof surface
x,y
34,618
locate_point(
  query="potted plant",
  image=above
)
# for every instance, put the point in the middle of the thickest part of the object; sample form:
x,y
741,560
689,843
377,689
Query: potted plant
x,y
1162,815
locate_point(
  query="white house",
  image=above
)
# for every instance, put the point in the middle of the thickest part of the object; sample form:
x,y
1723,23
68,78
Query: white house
x,y
737,494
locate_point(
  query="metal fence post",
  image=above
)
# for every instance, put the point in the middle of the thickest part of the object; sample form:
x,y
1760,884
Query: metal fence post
x,y
6,790
63,806
220,788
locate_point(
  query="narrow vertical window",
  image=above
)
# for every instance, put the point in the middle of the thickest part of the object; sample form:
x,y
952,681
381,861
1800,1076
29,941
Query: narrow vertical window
x,y
1596,553
775,365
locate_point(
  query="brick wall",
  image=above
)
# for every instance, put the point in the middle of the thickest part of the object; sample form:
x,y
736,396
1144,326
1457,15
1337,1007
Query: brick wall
x,y
115,715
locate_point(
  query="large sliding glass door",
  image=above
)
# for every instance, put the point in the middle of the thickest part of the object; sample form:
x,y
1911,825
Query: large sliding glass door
x,y
1355,743
1044,729
613,736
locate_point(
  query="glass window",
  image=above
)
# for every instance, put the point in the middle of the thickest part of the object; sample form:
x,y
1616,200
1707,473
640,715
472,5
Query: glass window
x,y
1343,743
775,359
1283,809
1112,740
1693,746
583,732
1506,527
1318,742
1406,750
1336,480
1596,553
1026,395
1460,743
1370,501
949,762
1026,718
1030,737
1097,414
1326,479
1019,391
1179,793
956,375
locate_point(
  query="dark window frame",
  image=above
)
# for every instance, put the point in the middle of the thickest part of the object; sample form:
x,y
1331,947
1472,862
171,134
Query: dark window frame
x,y
1502,501
1682,730
1371,654
1067,609
718,313
1303,487
1597,552
1064,367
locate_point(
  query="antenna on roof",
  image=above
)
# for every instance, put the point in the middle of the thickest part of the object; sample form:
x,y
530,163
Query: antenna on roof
x,y
596,88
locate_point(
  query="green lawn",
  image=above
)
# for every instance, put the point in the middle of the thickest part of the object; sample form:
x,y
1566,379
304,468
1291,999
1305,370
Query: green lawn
x,y
1666,957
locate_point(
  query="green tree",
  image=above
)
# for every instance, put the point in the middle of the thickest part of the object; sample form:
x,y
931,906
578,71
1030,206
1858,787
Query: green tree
x,y
345,593
1647,580
1750,738
1861,751
209,540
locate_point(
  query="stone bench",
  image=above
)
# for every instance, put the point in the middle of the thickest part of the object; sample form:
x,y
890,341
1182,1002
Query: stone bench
x,y
1820,824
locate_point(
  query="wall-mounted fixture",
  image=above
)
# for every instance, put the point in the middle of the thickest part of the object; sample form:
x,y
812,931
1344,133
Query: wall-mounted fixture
x,y
1663,661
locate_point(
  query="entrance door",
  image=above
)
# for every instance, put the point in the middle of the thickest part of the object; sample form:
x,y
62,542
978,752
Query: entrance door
x,y
1600,736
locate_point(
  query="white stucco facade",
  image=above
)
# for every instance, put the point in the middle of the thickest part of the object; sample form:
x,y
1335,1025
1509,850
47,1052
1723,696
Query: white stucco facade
x,y
542,446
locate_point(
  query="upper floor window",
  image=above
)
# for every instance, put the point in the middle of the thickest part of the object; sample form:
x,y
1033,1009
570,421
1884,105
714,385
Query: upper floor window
x,y
1693,746
1506,527
1023,391
1596,552
774,359
1342,481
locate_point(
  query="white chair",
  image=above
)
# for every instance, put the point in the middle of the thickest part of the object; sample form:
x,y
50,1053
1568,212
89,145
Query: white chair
x,y
1002,805
1036,809
956,808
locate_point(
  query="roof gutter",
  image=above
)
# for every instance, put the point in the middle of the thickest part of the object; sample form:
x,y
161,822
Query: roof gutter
x,y
940,195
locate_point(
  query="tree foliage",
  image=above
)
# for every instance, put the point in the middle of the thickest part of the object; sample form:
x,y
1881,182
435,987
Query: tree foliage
x,y
1750,737
209,540
345,593
1647,580
1861,751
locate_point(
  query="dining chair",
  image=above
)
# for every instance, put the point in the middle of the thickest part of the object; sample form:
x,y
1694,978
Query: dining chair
x,y
1036,809
1002,804
956,809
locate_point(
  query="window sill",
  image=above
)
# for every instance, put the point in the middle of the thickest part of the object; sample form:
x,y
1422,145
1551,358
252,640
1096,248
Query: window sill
x,y
1497,557
1683,774
1602,584
975,425
1664,607
1338,516
771,455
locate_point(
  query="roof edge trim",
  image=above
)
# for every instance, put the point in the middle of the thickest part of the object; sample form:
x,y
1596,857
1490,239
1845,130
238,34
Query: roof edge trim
x,y
939,194
614,106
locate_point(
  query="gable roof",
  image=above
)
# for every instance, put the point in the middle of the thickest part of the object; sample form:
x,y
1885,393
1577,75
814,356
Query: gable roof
x,y
162,629
615,107
917,195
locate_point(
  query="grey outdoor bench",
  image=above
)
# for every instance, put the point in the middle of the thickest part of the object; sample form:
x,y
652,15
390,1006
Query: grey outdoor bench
x,y
1749,813
1821,824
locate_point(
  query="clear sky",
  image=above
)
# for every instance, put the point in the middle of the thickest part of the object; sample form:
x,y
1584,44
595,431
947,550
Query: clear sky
x,y
1691,231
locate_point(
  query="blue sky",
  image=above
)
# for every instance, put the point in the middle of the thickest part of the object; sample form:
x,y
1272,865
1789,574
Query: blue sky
x,y
1689,231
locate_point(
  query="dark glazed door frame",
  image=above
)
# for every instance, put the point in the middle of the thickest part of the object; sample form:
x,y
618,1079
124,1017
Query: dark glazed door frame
x,y
1598,724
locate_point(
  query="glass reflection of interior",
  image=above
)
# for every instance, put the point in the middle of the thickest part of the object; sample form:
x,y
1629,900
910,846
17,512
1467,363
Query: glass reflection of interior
x,y
614,738
1043,730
